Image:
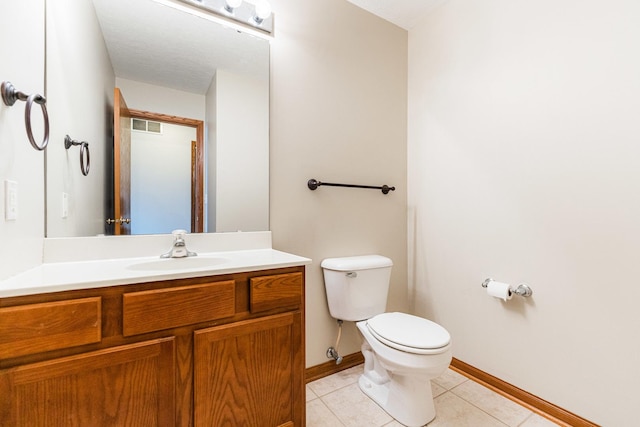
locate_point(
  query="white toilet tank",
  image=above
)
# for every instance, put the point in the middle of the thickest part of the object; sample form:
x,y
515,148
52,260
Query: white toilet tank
x,y
357,287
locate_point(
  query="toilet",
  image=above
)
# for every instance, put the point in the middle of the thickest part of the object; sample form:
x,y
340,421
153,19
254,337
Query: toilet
x,y
402,352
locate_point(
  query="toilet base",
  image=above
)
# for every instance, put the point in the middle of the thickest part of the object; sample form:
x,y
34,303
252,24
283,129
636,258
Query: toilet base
x,y
408,400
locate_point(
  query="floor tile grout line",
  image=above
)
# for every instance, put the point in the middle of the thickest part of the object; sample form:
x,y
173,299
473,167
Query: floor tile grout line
x,y
449,389
334,391
491,415
339,388
331,392
364,394
526,419
329,409
475,406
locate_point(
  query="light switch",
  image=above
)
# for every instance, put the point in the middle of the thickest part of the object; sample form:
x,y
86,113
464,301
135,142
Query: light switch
x,y
10,200
65,205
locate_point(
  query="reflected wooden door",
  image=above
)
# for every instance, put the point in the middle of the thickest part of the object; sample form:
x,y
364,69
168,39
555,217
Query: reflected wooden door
x,y
194,189
121,164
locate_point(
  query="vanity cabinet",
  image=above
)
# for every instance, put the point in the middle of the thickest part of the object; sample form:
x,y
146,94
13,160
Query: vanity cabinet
x,y
222,350
243,373
129,385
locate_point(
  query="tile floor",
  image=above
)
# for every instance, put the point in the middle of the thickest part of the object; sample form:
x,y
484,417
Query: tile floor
x,y
336,401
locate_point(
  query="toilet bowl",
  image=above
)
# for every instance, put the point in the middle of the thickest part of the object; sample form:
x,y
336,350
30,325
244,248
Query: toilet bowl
x,y
397,376
402,352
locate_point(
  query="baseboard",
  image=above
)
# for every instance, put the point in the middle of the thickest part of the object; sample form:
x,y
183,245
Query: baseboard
x,y
528,400
534,403
328,368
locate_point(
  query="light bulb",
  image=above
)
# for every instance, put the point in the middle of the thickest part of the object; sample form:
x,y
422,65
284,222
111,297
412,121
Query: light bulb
x,y
229,5
263,11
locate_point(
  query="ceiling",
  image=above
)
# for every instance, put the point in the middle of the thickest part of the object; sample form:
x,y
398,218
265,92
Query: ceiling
x,y
403,13
150,42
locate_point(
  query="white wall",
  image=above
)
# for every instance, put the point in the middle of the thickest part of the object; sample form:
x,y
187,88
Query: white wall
x,y
210,129
158,99
80,79
23,65
338,114
242,153
524,166
161,180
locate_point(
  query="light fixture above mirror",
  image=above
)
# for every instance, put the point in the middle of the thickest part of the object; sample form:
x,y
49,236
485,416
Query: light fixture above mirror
x,y
246,15
230,5
263,11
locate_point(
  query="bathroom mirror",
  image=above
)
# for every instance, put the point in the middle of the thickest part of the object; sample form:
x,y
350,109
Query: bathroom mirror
x,y
169,62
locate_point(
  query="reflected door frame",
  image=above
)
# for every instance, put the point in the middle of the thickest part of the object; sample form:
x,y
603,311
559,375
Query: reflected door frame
x,y
121,166
197,182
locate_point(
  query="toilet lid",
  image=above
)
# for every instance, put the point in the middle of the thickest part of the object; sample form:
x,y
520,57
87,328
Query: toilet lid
x,y
408,331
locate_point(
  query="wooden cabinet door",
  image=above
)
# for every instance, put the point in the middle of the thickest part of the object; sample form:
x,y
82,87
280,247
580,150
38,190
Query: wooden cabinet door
x,y
250,373
130,385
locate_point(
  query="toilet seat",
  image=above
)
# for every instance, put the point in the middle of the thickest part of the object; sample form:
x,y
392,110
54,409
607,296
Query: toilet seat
x,y
409,333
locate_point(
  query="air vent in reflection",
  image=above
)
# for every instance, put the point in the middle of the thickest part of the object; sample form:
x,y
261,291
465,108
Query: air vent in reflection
x,y
141,125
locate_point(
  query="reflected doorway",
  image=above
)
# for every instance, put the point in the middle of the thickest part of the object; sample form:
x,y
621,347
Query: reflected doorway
x,y
160,177
167,173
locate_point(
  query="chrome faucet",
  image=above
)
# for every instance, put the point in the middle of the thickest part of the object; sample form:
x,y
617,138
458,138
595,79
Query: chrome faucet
x,y
179,248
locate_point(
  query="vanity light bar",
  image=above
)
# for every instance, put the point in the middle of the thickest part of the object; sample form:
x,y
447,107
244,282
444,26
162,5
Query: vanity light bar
x,y
244,16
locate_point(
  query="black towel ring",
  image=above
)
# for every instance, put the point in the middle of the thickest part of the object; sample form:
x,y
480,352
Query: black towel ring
x,y
84,153
10,95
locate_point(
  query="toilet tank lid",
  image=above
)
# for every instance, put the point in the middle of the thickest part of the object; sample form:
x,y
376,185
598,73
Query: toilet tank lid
x,y
362,262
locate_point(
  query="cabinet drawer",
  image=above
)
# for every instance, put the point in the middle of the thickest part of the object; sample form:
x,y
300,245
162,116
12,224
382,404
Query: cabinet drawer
x,y
158,309
269,292
37,328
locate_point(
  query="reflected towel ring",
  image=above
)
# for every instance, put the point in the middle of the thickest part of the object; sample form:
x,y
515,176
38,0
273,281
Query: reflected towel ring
x,y
84,153
10,95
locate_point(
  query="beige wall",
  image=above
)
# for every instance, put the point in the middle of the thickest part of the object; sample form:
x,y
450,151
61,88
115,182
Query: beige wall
x,y
338,114
524,166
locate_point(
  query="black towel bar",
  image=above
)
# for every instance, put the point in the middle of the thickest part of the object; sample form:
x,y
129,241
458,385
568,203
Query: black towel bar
x,y
313,184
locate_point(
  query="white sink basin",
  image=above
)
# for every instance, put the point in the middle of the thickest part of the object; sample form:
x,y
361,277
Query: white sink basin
x,y
164,264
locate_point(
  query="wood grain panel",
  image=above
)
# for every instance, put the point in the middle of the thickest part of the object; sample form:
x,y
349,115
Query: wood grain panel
x,y
184,380
244,373
159,309
278,291
36,328
131,385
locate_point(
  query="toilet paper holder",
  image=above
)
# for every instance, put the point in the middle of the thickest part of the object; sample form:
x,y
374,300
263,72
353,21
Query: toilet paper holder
x,y
522,289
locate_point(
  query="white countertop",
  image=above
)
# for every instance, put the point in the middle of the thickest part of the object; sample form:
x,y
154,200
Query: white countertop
x,y
66,276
